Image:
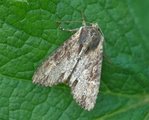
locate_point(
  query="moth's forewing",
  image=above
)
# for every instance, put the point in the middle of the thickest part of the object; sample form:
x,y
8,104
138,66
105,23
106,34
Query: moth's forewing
x,y
87,74
58,67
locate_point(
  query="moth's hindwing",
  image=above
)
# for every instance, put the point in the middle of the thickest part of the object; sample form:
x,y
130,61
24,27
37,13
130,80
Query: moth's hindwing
x,y
78,62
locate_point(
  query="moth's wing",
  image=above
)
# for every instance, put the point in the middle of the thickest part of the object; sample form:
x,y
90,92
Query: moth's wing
x,y
58,67
85,79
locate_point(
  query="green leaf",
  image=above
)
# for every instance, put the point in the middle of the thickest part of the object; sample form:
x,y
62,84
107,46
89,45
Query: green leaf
x,y
29,32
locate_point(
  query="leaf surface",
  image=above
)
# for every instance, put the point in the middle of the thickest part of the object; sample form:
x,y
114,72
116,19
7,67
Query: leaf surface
x,y
29,32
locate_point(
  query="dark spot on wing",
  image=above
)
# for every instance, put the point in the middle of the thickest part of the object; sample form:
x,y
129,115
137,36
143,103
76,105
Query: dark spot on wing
x,y
83,99
61,77
60,54
94,74
46,64
74,84
80,48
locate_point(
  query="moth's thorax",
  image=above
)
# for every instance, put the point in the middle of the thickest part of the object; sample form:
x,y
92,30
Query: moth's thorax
x,y
90,37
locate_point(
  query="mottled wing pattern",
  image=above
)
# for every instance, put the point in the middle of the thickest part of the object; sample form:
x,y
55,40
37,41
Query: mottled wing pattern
x,y
78,62
85,79
58,67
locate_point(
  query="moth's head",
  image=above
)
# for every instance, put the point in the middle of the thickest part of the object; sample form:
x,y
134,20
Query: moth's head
x,y
90,37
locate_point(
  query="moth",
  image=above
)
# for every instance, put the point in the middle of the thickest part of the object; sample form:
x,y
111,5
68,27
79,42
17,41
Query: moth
x,y
77,63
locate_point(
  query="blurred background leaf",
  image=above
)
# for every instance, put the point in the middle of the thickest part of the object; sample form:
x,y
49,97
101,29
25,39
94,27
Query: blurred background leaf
x,y
29,32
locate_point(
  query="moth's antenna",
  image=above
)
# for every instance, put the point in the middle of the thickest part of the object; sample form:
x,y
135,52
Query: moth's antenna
x,y
83,19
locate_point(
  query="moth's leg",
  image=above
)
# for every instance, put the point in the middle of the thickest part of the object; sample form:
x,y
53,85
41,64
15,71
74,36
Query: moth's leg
x,y
83,19
84,23
70,30
68,21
